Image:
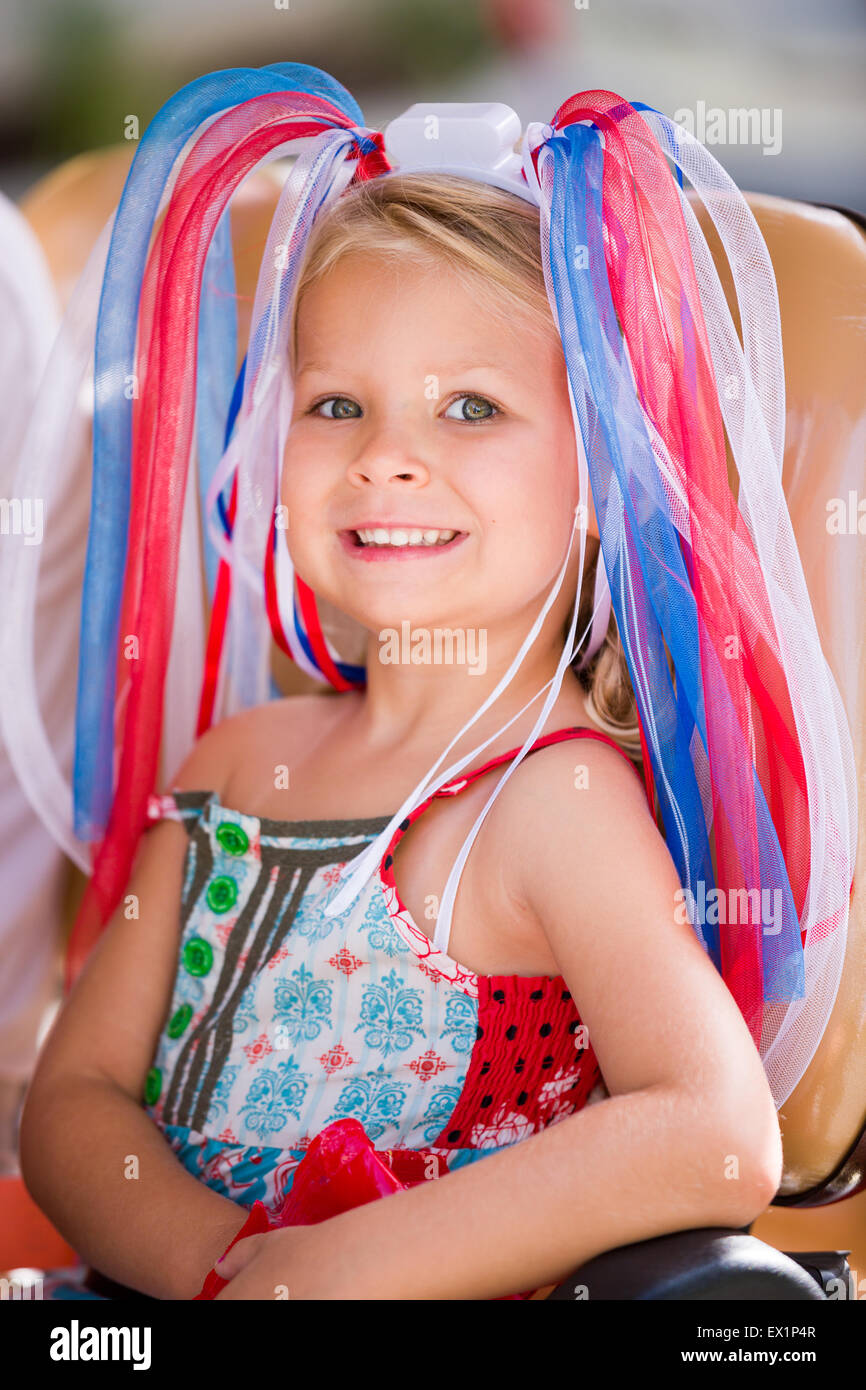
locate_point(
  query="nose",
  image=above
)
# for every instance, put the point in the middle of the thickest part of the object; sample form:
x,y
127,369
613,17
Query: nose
x,y
387,458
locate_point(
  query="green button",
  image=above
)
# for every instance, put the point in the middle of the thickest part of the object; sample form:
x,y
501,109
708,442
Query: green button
x,y
152,1086
233,838
180,1019
197,956
222,893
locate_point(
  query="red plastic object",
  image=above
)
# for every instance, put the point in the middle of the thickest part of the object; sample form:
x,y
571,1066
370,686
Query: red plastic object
x,y
256,1224
340,1170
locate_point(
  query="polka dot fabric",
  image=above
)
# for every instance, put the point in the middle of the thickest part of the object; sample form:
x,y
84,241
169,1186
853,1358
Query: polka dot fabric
x,y
531,1063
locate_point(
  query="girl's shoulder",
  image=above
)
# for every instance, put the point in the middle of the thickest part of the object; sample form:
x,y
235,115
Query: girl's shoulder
x,y
537,829
240,740
584,754
561,784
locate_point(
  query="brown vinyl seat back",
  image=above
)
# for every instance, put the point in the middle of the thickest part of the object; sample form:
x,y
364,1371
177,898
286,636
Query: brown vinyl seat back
x,y
819,258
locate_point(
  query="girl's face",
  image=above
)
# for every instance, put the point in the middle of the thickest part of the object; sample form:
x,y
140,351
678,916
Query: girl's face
x,y
418,410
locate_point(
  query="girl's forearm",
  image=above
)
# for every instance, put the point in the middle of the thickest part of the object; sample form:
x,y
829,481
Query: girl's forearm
x,y
629,1168
102,1172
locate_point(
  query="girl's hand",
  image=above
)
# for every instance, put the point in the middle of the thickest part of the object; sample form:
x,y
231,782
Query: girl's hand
x,y
269,1266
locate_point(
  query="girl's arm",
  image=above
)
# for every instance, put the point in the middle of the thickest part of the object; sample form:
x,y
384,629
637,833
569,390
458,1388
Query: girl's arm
x,y
688,1138
91,1157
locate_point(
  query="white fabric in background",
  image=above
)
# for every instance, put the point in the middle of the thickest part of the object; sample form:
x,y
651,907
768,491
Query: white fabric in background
x,y
32,867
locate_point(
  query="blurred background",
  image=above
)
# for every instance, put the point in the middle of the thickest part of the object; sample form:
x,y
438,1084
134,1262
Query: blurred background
x,y
71,71
84,75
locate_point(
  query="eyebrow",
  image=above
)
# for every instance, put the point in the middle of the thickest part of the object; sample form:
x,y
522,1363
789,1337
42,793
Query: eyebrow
x,y
314,367
451,369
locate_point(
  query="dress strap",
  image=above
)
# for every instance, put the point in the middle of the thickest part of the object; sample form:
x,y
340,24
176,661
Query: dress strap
x,y
453,788
558,736
185,807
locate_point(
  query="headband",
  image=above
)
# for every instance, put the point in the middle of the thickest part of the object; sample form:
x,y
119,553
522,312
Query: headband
x,y
745,744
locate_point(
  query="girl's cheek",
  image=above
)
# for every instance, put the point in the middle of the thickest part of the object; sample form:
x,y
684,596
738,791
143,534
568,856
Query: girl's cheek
x,y
292,483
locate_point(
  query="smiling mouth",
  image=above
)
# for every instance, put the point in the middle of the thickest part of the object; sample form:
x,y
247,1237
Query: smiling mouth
x,y
401,540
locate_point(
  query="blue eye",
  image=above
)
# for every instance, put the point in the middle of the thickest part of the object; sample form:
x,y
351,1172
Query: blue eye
x,y
472,412
339,412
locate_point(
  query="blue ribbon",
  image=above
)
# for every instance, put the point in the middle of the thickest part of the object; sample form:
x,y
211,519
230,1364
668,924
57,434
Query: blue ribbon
x,y
112,424
651,591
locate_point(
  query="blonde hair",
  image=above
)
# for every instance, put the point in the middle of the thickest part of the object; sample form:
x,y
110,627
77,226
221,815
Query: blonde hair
x,y
491,238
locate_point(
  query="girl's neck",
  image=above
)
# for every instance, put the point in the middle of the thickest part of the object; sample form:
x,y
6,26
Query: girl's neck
x,y
408,712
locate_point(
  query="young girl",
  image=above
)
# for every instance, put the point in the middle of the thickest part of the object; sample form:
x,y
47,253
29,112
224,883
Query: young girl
x,y
431,481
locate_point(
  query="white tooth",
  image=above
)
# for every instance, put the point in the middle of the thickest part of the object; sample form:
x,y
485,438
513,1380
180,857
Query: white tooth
x,y
380,535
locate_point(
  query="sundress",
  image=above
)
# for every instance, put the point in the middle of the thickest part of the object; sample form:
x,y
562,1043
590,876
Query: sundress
x,y
283,1020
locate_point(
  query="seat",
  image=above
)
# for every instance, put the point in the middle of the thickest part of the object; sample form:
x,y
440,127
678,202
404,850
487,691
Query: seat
x,y
819,256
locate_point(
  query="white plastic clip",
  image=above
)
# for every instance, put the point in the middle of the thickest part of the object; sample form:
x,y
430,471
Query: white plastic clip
x,y
471,139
